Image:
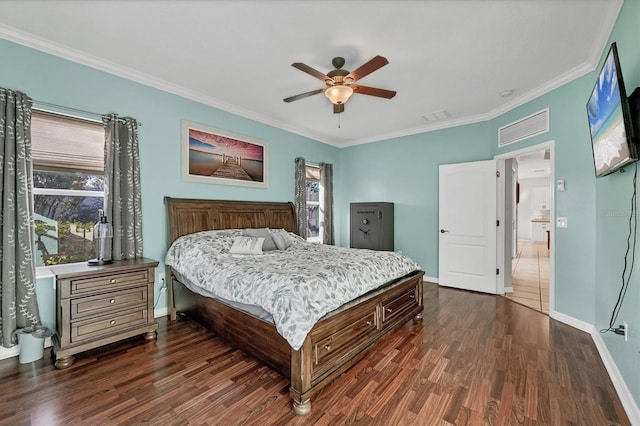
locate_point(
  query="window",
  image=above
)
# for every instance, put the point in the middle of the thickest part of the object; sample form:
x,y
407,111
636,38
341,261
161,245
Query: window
x,y
314,212
68,181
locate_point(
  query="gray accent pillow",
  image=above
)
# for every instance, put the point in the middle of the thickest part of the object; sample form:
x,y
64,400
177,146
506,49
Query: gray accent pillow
x,y
246,245
281,238
268,244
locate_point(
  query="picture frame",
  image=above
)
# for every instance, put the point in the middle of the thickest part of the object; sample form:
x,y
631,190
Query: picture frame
x,y
212,155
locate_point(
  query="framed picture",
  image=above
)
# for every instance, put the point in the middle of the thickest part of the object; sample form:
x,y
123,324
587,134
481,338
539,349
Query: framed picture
x,y
212,155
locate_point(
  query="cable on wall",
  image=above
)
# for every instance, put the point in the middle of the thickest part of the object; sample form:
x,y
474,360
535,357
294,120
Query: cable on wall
x,y
633,231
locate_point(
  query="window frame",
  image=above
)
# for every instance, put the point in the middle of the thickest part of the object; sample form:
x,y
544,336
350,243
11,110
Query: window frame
x,y
312,171
45,270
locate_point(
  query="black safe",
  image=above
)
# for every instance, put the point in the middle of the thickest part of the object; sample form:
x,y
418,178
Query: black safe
x,y
371,225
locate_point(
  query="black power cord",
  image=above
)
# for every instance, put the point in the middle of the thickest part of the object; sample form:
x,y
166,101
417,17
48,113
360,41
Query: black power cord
x,y
633,231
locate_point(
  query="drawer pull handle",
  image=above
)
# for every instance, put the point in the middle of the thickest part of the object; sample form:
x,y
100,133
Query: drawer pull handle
x,y
113,280
369,322
112,322
112,301
413,296
389,310
327,347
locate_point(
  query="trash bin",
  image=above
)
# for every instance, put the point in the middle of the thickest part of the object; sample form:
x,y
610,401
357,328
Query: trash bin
x,y
31,341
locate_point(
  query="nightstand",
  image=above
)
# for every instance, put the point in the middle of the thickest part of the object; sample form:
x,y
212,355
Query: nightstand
x,y
98,305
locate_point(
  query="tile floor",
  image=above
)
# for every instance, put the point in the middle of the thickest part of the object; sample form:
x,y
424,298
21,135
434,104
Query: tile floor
x,y
530,276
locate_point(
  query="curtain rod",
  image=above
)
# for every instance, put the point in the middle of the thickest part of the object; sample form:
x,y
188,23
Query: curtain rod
x,y
80,111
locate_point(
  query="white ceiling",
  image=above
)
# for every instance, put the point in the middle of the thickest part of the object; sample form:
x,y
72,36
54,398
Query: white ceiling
x,y
453,55
534,165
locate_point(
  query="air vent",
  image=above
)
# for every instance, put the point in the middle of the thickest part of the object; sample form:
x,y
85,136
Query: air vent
x,y
532,125
436,116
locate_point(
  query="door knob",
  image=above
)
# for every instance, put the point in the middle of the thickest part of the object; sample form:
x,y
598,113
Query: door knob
x,y
442,231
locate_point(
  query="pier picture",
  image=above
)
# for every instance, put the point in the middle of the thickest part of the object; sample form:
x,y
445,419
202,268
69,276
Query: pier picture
x,y
213,155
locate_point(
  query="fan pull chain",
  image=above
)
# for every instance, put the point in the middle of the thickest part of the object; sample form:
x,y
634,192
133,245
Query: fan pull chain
x,y
339,121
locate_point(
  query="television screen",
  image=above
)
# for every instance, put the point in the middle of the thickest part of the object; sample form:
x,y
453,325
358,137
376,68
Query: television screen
x,y
609,119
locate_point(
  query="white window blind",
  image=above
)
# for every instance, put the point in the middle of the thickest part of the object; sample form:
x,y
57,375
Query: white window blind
x,y
65,143
313,173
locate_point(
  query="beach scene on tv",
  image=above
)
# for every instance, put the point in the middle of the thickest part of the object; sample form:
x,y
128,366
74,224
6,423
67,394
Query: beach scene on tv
x,y
606,121
223,157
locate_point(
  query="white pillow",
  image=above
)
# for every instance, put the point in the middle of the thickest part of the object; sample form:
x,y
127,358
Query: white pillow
x,y
268,244
246,245
281,238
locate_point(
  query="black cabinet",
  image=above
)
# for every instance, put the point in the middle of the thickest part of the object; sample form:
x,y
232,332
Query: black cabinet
x,y
372,225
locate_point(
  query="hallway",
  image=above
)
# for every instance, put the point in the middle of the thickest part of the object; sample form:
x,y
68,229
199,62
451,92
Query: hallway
x,y
530,276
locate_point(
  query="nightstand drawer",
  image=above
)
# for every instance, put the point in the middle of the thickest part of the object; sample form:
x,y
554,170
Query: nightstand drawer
x,y
104,283
109,324
84,307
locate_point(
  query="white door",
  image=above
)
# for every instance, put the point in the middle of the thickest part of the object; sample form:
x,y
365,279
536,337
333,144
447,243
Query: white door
x,y
467,218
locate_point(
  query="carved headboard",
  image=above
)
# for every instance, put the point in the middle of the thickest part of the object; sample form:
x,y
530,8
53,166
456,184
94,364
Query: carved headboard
x,y
186,216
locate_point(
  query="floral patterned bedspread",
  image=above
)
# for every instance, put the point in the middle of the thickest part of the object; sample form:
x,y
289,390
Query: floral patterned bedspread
x,y
297,286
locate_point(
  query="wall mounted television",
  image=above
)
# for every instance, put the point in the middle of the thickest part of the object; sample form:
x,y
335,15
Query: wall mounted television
x,y
613,139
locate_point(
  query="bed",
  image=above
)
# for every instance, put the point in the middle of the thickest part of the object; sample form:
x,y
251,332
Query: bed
x,y
334,343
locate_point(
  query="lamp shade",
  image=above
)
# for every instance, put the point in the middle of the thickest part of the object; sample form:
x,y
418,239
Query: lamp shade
x,y
338,94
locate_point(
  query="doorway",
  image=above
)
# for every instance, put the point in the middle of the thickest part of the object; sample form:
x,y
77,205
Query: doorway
x,y
529,238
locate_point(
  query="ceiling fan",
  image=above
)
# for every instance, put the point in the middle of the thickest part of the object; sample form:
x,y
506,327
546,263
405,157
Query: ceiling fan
x,y
341,84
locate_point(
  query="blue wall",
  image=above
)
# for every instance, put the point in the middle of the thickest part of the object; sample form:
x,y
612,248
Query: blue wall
x,y
404,171
50,79
613,205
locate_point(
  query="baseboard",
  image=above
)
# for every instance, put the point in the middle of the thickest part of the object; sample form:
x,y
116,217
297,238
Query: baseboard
x,y
430,279
161,312
508,289
626,398
575,323
9,352
628,402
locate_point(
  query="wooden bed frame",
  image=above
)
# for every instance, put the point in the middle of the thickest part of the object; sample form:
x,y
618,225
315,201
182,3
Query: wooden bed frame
x,y
335,343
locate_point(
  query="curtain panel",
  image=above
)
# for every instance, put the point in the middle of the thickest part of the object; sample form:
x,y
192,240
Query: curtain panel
x,y
122,190
300,200
18,304
326,182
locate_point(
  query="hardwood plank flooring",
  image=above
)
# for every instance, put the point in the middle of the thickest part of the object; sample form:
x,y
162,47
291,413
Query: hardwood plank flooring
x,y
474,359
530,276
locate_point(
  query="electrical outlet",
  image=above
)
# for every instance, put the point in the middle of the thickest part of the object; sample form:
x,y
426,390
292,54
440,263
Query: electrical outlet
x,y
626,331
161,276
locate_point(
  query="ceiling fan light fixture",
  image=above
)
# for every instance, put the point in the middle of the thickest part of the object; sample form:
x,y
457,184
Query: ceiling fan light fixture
x,y
338,94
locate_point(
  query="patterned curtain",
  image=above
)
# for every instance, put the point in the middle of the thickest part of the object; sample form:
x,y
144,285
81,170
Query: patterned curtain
x,y
18,304
301,196
326,182
122,193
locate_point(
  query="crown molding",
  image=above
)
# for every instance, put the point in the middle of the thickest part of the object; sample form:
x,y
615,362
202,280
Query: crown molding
x,y
82,58
65,52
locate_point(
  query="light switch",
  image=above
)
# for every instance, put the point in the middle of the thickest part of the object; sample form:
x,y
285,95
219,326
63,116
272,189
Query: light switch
x,y
561,222
560,185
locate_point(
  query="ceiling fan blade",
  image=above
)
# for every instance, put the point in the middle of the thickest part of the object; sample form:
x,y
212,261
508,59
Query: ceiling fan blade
x,y
367,68
373,91
311,71
338,108
303,95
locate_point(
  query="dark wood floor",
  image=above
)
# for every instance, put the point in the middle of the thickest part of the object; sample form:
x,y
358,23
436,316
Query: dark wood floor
x,y
475,359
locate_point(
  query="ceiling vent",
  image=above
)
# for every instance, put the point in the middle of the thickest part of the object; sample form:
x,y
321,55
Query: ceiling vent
x,y
436,116
532,125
